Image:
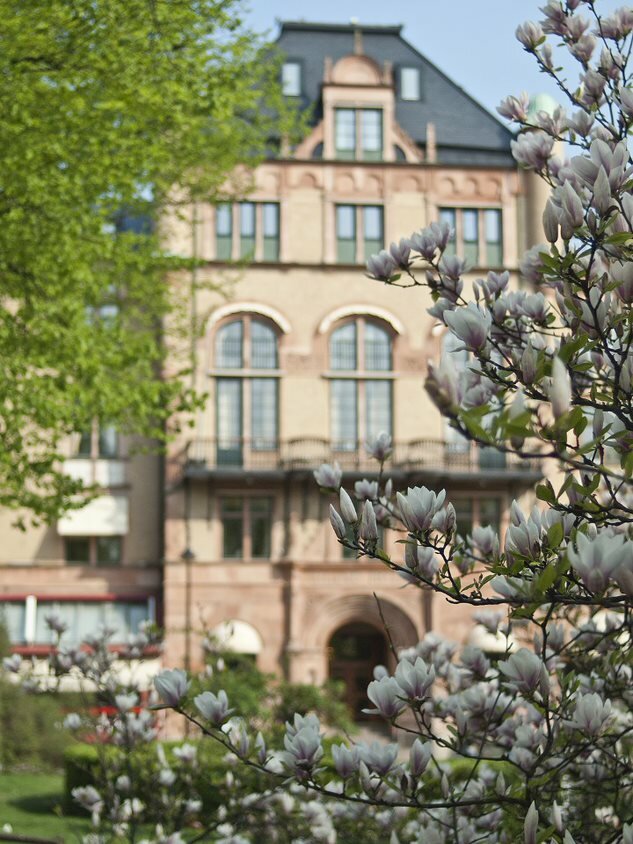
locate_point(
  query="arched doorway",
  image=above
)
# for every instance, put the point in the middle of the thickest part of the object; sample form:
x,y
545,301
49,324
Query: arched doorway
x,y
353,652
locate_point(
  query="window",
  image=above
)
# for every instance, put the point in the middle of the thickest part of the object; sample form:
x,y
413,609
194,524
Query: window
x,y
100,441
477,235
358,134
12,618
409,83
25,619
246,403
476,512
84,617
224,232
93,550
291,79
246,528
359,232
257,225
361,405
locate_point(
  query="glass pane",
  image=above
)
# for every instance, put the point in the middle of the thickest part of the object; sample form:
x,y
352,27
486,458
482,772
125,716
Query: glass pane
x,y
228,346
371,133
77,549
372,223
494,238
464,512
490,512
271,219
264,414
263,346
125,617
378,410
409,83
223,220
108,441
229,421
346,222
109,550
82,618
85,444
377,348
471,226
343,348
232,528
492,219
343,415
345,132
247,219
291,79
260,527
12,616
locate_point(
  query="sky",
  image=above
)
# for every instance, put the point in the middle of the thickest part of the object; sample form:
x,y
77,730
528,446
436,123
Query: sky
x,y
472,41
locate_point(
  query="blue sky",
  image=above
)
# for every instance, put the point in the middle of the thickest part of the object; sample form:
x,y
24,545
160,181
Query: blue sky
x,y
472,41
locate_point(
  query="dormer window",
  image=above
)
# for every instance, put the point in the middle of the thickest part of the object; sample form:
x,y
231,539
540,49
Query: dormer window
x,y
291,79
358,134
409,83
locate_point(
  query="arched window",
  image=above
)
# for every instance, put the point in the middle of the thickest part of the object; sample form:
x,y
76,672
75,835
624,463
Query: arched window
x,y
361,402
247,389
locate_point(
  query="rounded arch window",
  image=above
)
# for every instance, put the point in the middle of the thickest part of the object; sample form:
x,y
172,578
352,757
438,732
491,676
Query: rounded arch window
x,y
247,390
361,402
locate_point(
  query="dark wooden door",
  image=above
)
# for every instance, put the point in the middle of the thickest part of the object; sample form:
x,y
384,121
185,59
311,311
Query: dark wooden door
x,y
354,651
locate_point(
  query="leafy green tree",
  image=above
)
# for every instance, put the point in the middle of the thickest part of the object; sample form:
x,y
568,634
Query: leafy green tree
x,y
107,107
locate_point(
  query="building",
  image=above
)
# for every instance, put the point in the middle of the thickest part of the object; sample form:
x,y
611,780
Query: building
x,y
303,362
309,359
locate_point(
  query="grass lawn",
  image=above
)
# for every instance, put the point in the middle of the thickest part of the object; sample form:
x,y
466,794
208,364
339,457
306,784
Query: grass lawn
x,y
31,803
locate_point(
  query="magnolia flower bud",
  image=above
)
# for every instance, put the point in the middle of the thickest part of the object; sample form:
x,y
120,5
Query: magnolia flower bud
x,y
368,526
559,392
530,827
215,708
338,525
550,222
348,511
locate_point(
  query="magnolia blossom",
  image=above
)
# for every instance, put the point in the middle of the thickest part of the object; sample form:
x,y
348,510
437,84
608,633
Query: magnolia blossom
x,y
338,525
591,715
328,475
524,670
381,266
419,506
414,679
172,686
596,560
215,708
381,447
470,324
385,695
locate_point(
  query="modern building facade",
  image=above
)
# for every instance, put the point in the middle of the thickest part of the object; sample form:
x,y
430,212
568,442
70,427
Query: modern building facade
x,y
304,359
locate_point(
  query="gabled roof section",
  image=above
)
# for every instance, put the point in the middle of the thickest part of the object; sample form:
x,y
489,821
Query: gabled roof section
x,y
465,132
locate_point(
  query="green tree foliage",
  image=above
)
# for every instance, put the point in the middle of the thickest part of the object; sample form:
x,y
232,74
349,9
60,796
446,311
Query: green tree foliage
x,y
107,106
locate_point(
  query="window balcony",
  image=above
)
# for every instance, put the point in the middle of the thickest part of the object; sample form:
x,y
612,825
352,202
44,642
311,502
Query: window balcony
x,y
204,457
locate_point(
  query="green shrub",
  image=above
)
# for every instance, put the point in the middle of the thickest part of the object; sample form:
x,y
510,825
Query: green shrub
x,y
31,732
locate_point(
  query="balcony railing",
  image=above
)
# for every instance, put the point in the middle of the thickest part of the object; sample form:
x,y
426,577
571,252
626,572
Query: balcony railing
x,y
211,455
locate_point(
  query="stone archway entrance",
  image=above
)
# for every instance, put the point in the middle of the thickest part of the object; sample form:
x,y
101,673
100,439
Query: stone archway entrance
x,y
353,652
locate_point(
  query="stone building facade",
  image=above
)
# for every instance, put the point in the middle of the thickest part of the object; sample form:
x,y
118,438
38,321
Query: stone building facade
x,y
303,359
